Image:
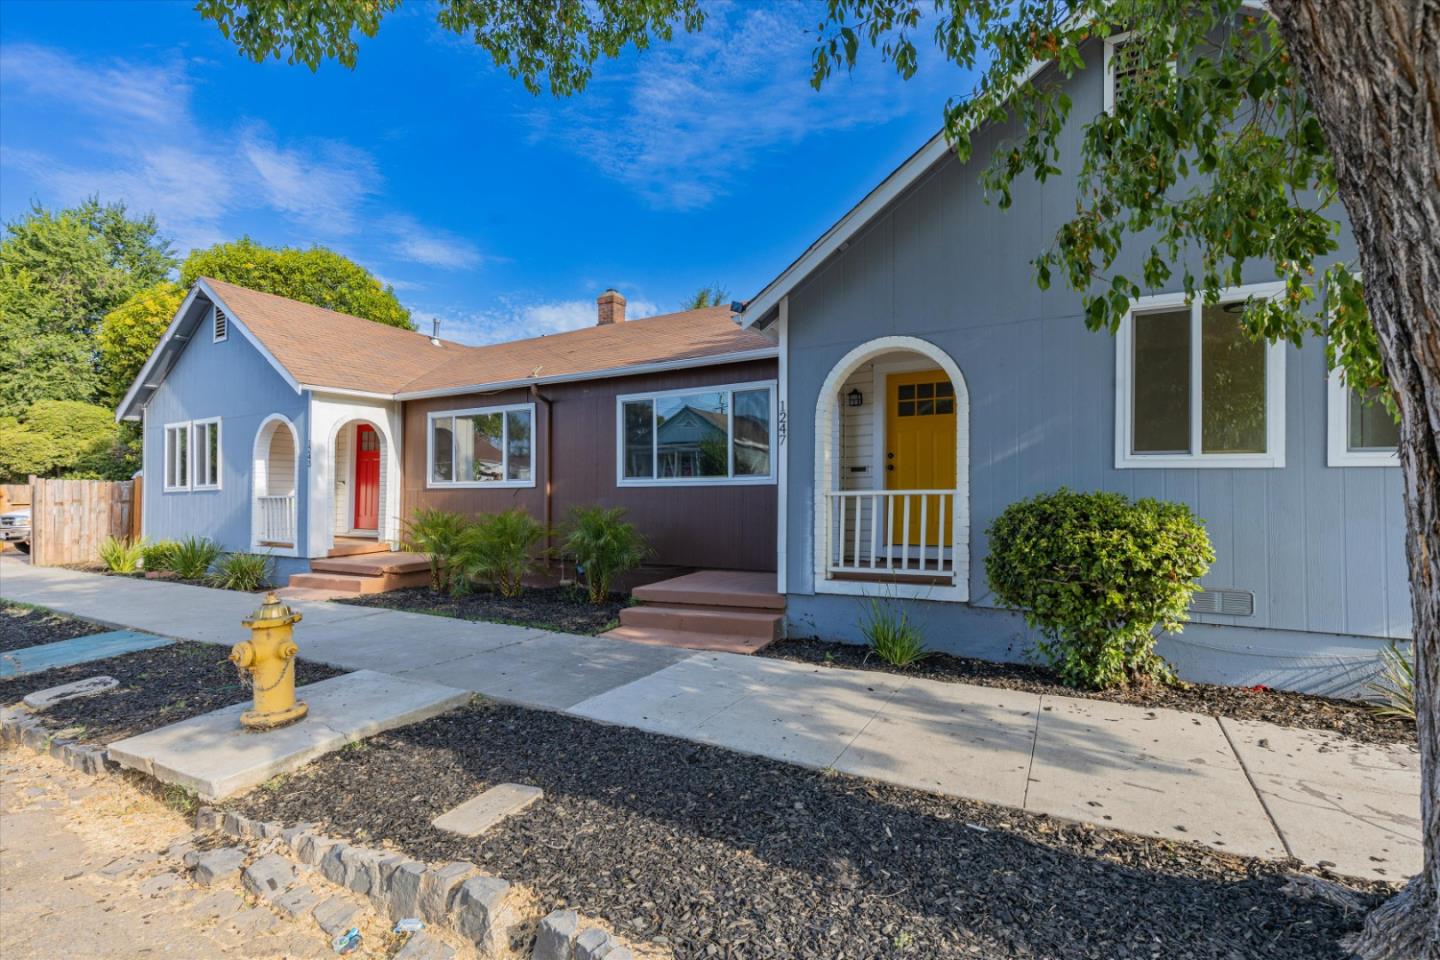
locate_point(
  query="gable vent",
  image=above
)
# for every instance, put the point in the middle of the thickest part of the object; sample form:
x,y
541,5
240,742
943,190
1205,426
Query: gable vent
x,y
1230,603
222,325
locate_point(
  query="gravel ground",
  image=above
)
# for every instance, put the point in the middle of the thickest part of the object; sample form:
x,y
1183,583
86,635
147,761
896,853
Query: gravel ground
x,y
565,609
25,626
1349,717
157,687
719,854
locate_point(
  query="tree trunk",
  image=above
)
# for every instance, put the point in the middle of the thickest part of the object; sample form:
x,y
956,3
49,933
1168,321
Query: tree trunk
x,y
1372,71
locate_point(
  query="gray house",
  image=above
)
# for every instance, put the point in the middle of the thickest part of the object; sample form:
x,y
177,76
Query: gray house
x,y
926,383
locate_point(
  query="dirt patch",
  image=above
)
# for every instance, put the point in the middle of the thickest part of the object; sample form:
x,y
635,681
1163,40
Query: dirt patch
x,y
157,687
1348,717
26,626
716,853
563,609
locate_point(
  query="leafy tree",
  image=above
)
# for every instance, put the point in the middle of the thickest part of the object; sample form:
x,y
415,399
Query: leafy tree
x,y
1243,133
63,438
129,333
711,296
315,276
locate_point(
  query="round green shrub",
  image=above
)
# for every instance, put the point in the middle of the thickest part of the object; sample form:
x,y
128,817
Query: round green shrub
x,y
1096,574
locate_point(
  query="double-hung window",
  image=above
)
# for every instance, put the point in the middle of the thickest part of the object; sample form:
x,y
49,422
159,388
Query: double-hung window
x,y
1362,433
704,435
192,455
482,447
1194,389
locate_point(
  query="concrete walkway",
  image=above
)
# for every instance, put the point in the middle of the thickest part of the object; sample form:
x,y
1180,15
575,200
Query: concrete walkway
x,y
1240,786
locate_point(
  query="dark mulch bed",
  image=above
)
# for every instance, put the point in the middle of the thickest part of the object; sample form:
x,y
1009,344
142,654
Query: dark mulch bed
x,y
167,578
157,687
1349,717
26,626
725,855
564,609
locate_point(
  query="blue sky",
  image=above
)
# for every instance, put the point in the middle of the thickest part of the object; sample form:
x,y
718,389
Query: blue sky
x,y
706,160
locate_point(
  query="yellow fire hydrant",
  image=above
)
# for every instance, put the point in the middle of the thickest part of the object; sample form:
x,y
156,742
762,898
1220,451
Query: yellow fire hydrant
x,y
269,657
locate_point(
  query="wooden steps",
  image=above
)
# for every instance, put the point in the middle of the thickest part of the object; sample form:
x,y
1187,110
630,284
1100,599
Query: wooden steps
x,y
357,546
724,610
365,573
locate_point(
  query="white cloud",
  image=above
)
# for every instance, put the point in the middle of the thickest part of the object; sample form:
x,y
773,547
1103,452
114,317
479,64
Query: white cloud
x,y
430,246
155,95
681,123
321,185
518,321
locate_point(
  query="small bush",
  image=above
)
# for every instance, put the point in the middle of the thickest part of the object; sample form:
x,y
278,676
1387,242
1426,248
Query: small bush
x,y
500,550
121,556
1393,691
891,635
242,571
191,558
158,555
1096,573
438,533
604,546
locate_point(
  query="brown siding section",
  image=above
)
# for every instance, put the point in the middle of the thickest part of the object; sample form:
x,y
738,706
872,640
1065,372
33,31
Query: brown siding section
x,y
712,527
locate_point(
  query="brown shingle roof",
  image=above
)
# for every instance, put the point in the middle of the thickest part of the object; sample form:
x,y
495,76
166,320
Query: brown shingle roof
x,y
328,349
687,335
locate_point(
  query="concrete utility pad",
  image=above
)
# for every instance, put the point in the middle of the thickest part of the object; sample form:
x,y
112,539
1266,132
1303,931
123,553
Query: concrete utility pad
x,y
67,653
480,813
1356,806
1164,773
214,756
42,700
950,738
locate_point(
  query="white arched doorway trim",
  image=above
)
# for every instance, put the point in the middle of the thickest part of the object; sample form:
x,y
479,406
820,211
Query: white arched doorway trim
x,y
273,512
827,472
345,472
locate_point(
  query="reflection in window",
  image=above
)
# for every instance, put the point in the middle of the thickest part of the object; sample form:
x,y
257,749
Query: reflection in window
x,y
714,434
442,452
1161,408
517,444
1232,392
480,447
1371,426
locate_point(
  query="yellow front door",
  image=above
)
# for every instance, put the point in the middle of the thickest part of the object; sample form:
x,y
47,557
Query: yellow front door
x,y
920,449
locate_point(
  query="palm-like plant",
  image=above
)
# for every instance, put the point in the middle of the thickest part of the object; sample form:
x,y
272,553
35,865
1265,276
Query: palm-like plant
x,y
440,534
1393,689
120,555
191,558
604,545
499,549
242,571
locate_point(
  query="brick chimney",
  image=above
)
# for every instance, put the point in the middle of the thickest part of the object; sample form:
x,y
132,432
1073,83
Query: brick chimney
x,y
612,307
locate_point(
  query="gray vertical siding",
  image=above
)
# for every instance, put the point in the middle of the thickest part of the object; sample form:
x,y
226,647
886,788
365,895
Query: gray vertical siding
x,y
1321,547
233,381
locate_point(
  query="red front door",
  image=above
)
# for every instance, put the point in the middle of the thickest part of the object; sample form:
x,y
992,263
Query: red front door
x,y
367,478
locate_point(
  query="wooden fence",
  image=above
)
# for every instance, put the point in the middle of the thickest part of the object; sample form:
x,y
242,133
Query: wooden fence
x,y
70,518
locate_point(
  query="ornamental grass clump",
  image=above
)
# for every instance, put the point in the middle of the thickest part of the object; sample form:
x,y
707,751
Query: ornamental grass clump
x,y
1096,574
242,571
1392,692
120,555
604,546
438,534
498,549
192,557
158,555
890,634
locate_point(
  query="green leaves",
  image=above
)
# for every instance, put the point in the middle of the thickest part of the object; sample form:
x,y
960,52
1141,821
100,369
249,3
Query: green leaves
x,y
603,545
1096,574
499,549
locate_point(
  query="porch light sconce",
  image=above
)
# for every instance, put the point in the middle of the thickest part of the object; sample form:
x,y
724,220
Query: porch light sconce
x,y
855,398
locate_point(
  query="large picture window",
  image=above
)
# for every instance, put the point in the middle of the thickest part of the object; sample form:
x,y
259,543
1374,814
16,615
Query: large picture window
x,y
192,455
706,435
483,447
1195,390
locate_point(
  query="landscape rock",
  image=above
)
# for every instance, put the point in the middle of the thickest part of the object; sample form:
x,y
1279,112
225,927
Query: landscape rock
x,y
479,906
361,865
42,700
555,939
269,876
481,813
438,886
593,944
218,864
299,902
337,915
208,818
332,864
402,893
425,946
313,848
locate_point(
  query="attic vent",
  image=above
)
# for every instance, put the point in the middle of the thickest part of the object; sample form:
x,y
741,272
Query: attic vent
x,y
222,325
1230,603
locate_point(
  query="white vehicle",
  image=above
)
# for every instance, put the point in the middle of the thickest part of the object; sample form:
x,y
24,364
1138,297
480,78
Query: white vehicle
x,y
15,528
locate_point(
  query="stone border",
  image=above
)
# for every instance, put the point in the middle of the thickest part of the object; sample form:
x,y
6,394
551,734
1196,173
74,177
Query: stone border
x,y
19,725
482,910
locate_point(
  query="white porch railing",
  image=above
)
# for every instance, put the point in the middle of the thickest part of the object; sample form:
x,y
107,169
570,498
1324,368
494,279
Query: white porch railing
x,y
276,524
891,532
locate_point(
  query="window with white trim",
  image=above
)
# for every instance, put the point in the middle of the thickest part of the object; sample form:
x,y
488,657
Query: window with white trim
x,y
704,435
220,324
1121,63
482,447
177,456
205,454
1362,432
1194,389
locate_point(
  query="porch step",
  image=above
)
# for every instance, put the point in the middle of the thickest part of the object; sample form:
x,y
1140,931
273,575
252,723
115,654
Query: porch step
x,y
357,546
720,643
752,622
365,573
374,564
715,588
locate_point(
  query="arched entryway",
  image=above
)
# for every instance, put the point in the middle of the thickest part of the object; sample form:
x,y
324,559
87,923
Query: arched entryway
x,y
360,488
273,503
892,428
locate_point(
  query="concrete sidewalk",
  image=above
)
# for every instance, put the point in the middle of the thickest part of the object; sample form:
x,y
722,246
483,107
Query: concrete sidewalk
x,y
1238,786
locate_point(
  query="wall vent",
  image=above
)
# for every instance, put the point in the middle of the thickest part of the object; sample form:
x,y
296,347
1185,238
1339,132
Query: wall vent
x,y
222,325
1225,601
